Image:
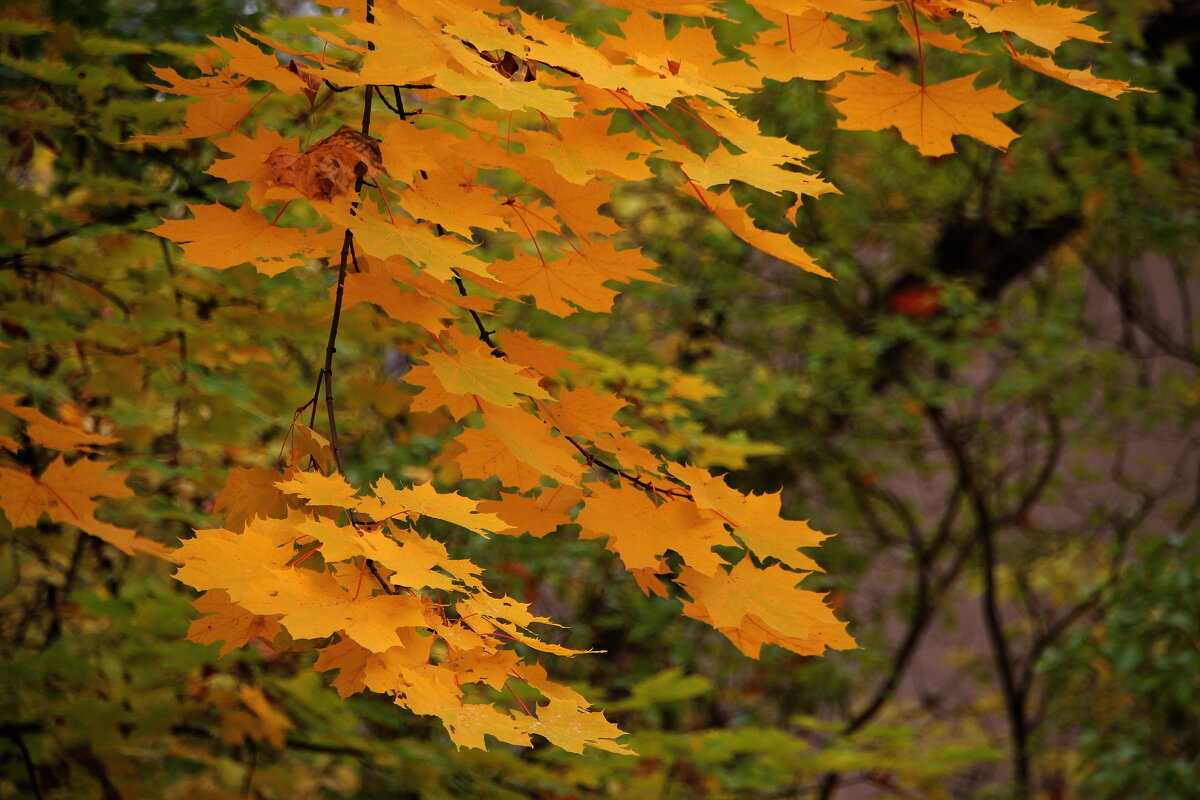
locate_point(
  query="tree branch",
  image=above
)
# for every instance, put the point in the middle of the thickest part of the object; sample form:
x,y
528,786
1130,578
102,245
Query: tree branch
x,y
985,529
13,733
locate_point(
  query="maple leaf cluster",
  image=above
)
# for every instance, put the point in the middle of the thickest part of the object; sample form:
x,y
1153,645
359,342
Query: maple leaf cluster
x,y
487,187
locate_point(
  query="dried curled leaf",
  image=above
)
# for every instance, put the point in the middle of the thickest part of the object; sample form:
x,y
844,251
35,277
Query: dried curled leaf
x,y
330,167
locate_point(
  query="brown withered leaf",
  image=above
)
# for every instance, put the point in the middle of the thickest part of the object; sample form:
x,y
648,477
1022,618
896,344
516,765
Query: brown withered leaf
x,y
312,81
330,167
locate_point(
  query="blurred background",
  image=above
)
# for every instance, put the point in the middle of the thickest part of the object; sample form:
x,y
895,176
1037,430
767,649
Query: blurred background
x,y
994,406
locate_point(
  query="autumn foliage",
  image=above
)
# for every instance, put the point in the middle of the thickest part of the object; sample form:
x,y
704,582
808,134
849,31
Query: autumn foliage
x,y
478,179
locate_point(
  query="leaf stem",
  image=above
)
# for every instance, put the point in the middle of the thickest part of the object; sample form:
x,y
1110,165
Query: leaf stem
x,y
912,10
524,707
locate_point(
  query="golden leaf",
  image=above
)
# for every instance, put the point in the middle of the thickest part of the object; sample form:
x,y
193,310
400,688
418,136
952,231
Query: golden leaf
x,y
925,116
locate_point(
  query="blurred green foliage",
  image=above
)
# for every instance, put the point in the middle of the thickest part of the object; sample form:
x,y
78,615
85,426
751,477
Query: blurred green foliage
x,y
1007,355
1129,680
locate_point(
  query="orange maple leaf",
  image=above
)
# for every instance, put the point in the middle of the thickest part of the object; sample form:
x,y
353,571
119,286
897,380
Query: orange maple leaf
x,y
641,531
1079,78
1045,24
47,432
486,456
537,515
754,606
577,280
926,116
224,621
212,116
65,493
220,237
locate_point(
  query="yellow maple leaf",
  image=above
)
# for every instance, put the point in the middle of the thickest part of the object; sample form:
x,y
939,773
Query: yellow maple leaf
x,y
754,518
414,561
583,148
408,148
409,59
247,59
320,490
213,82
350,659
575,204
428,689
935,38
545,359
805,56
471,722
423,500
483,665
482,610
629,453
813,28
572,728
753,606
854,9
467,375
217,558
317,607
453,200
778,245
384,238
247,162
253,569
381,290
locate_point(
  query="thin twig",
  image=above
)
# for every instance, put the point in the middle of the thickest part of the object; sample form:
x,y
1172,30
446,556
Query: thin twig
x,y
252,763
485,336
181,338
93,284
30,768
633,479
985,529
331,348
348,256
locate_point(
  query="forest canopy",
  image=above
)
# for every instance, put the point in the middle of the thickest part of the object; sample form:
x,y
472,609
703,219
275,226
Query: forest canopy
x,y
434,342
